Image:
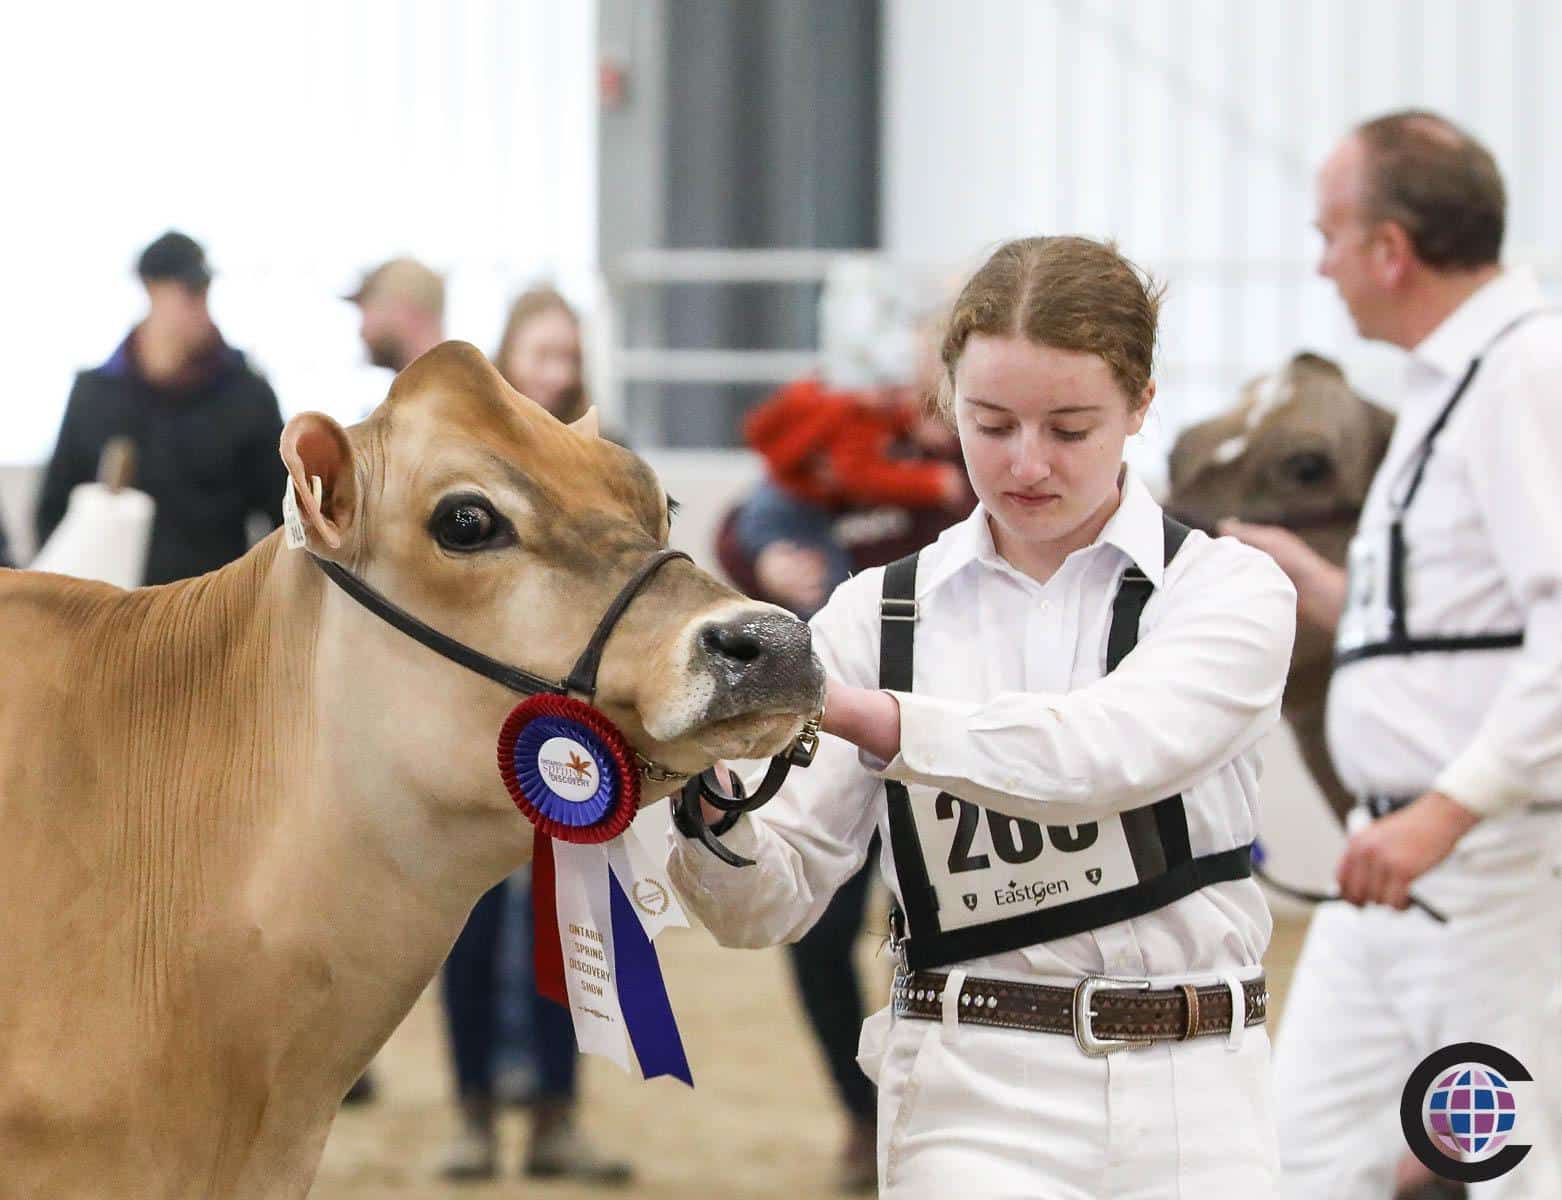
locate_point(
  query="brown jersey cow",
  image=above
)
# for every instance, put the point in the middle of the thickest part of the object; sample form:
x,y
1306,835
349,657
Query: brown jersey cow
x,y
1300,450
242,819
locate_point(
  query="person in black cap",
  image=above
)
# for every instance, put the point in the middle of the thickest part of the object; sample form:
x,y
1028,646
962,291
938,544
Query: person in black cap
x,y
205,425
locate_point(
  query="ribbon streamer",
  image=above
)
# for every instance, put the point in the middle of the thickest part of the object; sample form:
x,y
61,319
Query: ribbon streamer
x,y
547,954
597,909
648,1014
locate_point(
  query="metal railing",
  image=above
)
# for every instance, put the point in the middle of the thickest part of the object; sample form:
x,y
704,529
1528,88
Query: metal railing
x,y
618,365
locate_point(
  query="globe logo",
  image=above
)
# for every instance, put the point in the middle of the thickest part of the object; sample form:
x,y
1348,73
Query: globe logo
x,y
1469,1112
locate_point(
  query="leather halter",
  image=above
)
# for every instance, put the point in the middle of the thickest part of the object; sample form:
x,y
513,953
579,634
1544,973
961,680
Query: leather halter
x,y
582,681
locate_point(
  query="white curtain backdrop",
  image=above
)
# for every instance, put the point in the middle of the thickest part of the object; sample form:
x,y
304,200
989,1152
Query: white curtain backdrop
x,y
301,143
1189,130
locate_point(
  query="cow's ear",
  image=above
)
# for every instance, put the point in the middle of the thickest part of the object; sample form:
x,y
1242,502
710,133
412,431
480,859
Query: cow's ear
x,y
314,447
587,424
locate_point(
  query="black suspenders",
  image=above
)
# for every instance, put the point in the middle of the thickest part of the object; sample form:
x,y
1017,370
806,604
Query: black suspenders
x,y
1399,640
1157,834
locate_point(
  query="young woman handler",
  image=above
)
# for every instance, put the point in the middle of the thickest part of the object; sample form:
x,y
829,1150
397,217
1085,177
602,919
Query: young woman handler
x,y
1052,716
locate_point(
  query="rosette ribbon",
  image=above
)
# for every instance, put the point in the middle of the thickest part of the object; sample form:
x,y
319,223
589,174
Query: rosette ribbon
x,y
600,894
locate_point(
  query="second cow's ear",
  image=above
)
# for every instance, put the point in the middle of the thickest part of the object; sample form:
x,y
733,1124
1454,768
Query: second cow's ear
x,y
1380,427
314,447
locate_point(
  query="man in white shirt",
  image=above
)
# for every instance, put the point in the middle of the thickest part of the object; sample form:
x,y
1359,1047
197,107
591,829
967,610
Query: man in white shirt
x,y
1445,710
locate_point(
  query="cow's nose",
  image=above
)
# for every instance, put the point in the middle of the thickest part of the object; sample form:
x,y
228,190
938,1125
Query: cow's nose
x,y
760,660
742,640
729,641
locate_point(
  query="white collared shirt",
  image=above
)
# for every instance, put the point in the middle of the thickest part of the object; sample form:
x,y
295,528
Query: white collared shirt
x,y
1484,537
1011,711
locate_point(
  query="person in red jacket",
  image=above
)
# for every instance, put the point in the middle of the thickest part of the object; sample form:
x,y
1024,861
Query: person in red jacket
x,y
854,458
843,450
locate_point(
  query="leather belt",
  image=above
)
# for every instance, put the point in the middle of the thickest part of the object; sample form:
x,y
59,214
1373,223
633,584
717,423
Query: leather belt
x,y
1099,1013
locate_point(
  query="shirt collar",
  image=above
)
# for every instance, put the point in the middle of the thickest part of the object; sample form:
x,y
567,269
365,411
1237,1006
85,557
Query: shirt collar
x,y
1469,329
1135,529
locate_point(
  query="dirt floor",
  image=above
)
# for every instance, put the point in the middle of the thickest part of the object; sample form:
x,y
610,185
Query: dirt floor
x,y
762,1123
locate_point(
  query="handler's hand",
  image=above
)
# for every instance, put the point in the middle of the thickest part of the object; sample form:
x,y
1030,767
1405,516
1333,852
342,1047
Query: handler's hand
x,y
865,717
1384,859
1320,585
724,780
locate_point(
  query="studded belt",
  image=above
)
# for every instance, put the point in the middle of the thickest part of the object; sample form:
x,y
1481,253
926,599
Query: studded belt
x,y
1099,1013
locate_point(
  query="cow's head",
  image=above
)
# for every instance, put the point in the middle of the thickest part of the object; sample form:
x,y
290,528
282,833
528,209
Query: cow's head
x,y
1299,449
474,509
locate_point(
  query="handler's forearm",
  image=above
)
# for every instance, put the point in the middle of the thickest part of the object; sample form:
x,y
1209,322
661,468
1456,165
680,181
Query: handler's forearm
x,y
1320,595
865,717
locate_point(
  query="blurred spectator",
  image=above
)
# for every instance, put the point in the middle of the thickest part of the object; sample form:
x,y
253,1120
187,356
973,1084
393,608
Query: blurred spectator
x,y
855,463
859,473
402,307
5,551
205,425
540,353
503,1035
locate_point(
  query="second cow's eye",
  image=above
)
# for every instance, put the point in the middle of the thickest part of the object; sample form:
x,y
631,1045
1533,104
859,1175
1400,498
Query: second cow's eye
x,y
1309,467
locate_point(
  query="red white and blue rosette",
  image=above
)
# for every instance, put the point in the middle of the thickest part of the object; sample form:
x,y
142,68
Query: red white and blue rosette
x,y
599,896
569,770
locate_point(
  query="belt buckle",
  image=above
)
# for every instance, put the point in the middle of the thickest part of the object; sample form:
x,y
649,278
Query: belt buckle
x,y
1084,1037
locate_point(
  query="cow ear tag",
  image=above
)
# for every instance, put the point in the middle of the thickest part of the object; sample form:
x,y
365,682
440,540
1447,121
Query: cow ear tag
x,y
292,519
569,769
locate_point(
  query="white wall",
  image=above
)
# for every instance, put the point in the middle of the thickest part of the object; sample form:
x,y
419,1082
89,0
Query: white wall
x,y
1188,130
302,143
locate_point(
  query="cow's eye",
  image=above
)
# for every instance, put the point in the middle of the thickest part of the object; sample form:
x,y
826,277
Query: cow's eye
x,y
468,523
1308,467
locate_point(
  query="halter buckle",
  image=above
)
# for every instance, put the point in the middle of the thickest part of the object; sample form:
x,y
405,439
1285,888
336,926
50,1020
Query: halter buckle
x,y
806,744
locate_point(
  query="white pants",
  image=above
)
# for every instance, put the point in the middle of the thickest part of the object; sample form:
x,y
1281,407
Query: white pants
x,y
1376,991
997,1114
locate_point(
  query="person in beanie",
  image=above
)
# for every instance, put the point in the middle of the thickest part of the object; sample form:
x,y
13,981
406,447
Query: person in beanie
x,y
204,423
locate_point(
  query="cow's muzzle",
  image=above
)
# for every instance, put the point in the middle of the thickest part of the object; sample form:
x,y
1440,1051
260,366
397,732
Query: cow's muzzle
x,y
761,661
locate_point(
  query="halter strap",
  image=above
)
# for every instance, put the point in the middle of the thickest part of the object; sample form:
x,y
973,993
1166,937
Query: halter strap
x,y
582,679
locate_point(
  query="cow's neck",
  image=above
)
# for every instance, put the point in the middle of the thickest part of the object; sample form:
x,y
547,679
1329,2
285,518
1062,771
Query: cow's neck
x,y
386,835
325,860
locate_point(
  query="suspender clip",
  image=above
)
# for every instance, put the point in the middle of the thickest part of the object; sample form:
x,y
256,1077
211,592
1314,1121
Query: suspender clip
x,y
891,609
897,937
